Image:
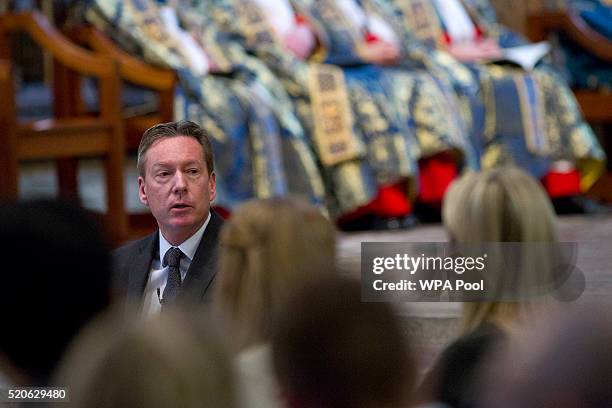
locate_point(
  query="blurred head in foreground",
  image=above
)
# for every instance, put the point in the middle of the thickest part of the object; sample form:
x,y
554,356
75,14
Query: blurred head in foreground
x,y
331,350
55,278
503,205
499,205
268,249
567,366
170,361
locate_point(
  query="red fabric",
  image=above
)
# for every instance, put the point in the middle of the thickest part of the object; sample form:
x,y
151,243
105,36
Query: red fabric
x,y
370,38
391,201
435,175
446,38
559,184
478,35
223,212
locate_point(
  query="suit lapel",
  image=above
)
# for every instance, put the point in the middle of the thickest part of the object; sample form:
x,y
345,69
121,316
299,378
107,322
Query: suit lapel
x,y
140,266
203,268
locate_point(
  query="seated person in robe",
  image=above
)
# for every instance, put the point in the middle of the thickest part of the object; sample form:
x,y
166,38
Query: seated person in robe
x,y
382,101
260,147
526,117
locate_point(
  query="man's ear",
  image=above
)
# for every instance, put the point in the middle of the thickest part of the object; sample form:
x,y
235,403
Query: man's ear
x,y
142,192
212,186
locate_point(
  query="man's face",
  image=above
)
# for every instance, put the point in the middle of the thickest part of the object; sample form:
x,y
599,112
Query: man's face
x,y
177,187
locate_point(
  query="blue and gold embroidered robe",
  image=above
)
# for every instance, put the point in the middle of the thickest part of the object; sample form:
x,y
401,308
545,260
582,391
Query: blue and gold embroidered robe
x,y
528,118
385,131
417,99
260,148
373,150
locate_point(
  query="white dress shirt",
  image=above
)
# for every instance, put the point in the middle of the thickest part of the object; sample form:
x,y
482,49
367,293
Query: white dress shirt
x,y
158,275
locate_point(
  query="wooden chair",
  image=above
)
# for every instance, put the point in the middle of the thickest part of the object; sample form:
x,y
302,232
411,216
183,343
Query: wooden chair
x,y
134,71
595,104
69,134
161,81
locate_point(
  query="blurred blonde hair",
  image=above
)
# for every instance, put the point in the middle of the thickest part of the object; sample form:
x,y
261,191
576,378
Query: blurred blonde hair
x,y
169,361
502,205
269,248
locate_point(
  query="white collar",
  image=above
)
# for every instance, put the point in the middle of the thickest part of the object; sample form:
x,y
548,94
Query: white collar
x,y
188,247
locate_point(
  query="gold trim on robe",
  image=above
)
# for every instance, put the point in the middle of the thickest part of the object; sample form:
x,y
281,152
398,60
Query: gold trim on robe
x,y
333,134
330,104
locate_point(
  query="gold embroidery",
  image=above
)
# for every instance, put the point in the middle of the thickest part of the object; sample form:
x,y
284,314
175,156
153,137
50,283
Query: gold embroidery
x,y
491,157
333,121
351,192
590,171
261,179
421,17
534,139
332,116
488,92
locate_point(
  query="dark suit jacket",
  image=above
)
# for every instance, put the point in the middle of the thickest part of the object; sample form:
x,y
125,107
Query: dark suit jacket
x,y
132,263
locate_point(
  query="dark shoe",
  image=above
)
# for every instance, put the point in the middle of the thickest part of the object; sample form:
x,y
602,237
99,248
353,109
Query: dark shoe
x,y
377,223
387,224
364,223
426,213
394,223
409,221
579,205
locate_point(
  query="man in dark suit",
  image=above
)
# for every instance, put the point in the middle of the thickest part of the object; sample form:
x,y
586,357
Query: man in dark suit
x,y
177,182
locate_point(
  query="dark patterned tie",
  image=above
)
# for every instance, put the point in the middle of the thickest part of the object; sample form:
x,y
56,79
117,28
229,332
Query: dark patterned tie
x,y
172,260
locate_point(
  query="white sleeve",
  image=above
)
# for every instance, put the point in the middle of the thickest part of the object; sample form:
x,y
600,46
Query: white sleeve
x,y
194,54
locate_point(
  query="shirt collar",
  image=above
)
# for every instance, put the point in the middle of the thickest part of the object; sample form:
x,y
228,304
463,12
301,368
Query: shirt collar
x,y
188,247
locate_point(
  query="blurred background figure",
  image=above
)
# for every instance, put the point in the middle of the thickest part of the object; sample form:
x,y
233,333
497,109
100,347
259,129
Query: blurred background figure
x,y
567,366
56,277
259,145
169,361
359,38
366,120
500,205
269,249
332,350
521,114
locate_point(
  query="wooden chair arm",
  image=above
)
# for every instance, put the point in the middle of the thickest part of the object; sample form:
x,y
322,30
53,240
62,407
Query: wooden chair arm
x,y
5,78
540,25
131,69
63,50
9,184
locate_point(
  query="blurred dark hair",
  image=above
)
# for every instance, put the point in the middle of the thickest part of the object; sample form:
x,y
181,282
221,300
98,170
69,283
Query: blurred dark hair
x,y
569,364
55,278
332,350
